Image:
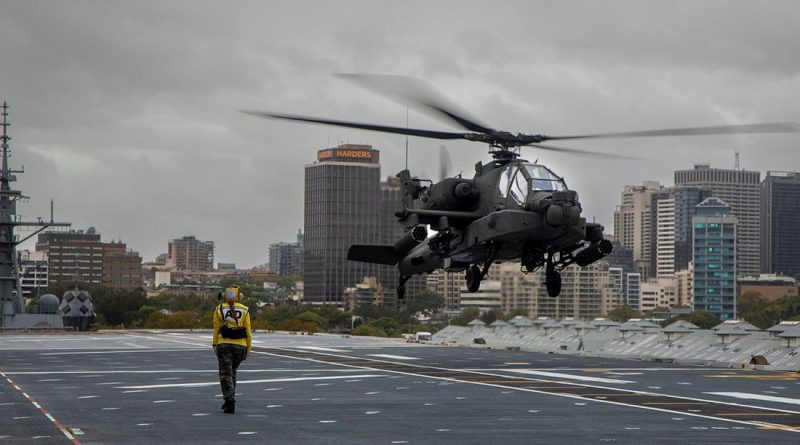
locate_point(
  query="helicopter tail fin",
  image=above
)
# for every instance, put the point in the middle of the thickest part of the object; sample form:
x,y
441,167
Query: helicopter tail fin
x,y
373,254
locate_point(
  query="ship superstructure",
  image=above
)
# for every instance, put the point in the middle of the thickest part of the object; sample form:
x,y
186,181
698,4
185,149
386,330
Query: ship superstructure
x,y
12,304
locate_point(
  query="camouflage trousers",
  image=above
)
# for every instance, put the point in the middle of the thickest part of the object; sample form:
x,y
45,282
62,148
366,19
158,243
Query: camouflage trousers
x,y
229,357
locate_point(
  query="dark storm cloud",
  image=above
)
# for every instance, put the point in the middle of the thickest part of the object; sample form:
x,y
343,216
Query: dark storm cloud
x,y
125,112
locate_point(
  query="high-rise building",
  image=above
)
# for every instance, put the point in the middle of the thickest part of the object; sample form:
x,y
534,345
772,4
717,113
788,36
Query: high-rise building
x,y
715,258
448,285
586,292
122,267
286,259
665,237
633,290
633,223
342,198
73,256
675,208
659,293
78,256
780,213
188,254
741,190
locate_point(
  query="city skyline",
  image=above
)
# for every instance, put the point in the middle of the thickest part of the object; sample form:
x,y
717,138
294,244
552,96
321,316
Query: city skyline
x,y
126,116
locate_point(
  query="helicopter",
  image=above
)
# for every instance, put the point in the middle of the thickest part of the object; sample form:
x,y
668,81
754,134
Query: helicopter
x,y
510,210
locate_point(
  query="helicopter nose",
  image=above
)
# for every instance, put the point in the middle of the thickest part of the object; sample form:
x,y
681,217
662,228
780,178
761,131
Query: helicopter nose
x,y
563,214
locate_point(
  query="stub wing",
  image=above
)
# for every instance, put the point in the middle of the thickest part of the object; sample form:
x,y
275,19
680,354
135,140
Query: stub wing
x,y
373,254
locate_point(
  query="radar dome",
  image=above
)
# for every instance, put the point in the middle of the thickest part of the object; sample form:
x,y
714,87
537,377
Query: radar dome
x,y
48,304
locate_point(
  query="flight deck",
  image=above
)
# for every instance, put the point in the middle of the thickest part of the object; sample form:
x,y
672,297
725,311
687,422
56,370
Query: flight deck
x,y
156,386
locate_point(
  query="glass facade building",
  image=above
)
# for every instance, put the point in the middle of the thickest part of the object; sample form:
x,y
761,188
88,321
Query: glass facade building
x,y
342,201
741,190
780,213
714,256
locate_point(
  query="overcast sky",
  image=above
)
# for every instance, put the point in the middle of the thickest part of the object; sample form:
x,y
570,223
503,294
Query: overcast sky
x,y
125,113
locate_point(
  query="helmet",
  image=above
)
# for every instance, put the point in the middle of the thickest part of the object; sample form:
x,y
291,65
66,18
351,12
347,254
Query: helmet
x,y
232,293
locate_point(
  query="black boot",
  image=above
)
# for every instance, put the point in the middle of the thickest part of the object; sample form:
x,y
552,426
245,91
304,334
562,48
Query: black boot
x,y
225,405
231,408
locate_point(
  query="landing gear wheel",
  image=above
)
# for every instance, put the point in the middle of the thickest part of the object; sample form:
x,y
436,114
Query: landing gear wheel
x,y
473,278
552,281
401,286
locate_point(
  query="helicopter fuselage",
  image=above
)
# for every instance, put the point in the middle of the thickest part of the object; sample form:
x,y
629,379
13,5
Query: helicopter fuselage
x,y
510,210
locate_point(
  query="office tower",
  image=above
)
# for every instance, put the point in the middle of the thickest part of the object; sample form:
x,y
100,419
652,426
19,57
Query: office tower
x,y
715,258
741,190
633,290
342,201
448,285
665,237
286,259
78,256
633,226
122,267
675,208
780,215
74,256
188,254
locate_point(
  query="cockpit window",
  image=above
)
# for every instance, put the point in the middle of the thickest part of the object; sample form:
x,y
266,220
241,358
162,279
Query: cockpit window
x,y
505,179
513,183
519,188
543,179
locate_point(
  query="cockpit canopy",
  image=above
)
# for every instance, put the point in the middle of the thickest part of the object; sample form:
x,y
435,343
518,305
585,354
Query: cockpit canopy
x,y
520,179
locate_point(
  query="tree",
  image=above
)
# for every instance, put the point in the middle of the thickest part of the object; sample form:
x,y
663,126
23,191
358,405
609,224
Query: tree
x,y
313,317
428,302
466,316
118,307
622,314
291,325
388,325
335,317
491,316
753,308
701,319
369,330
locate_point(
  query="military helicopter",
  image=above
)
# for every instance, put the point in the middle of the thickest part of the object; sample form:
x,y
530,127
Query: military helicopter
x,y
511,210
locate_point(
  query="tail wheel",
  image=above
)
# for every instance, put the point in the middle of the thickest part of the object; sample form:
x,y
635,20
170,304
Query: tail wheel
x,y
473,277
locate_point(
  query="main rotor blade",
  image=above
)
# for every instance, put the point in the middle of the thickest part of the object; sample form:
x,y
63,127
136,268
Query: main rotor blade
x,y
410,91
580,152
382,128
770,127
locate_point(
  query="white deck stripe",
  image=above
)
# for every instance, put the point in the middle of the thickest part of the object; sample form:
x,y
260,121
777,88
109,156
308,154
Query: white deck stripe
x,y
320,348
559,375
239,382
395,357
123,351
175,371
745,395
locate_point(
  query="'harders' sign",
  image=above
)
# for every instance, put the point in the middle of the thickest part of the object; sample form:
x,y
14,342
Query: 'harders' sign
x,y
349,153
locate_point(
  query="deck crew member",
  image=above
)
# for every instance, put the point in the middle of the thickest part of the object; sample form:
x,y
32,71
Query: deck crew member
x,y
232,342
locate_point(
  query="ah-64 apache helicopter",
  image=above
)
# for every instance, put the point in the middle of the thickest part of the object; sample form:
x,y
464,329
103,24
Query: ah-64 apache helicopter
x,y
510,210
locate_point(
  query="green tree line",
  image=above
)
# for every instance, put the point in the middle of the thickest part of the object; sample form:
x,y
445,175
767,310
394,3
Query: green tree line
x,y
133,310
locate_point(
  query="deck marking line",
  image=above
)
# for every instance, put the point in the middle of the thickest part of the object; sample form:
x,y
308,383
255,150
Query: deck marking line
x,y
288,379
44,412
560,375
745,395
